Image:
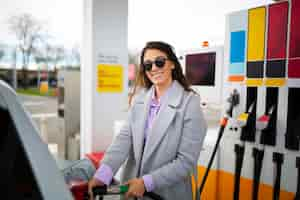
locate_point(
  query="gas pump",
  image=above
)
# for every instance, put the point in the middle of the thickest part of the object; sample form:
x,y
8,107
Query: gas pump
x,y
261,145
261,139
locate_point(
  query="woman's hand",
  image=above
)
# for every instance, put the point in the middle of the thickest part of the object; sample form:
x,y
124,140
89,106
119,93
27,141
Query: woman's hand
x,y
136,188
93,183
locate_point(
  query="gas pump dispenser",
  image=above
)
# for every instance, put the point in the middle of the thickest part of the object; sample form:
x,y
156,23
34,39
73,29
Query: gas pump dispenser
x,y
261,142
261,145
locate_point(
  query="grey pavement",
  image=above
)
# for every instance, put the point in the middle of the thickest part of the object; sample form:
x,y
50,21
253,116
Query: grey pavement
x,y
45,108
37,104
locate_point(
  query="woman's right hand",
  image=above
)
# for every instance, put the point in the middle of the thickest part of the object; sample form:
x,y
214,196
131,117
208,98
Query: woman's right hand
x,y
93,183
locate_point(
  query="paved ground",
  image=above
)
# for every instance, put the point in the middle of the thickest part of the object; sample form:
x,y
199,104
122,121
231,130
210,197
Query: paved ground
x,y
38,104
44,110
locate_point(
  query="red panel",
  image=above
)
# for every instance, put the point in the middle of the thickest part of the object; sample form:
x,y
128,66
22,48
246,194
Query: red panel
x,y
294,68
295,30
277,30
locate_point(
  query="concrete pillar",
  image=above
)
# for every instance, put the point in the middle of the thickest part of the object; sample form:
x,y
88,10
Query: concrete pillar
x,y
104,64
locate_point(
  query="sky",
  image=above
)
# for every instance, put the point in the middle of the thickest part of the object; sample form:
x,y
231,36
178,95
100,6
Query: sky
x,y
183,23
63,18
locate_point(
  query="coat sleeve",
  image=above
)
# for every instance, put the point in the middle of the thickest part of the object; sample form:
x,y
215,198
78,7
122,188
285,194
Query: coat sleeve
x,y
118,151
193,133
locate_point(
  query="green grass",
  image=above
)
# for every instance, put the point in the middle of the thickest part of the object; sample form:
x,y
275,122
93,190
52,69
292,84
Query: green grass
x,y
36,92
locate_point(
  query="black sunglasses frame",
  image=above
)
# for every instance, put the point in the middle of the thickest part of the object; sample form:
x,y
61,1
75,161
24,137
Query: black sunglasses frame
x,y
158,61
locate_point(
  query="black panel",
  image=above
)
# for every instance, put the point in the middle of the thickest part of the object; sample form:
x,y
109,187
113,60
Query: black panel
x,y
255,69
248,132
275,69
17,179
268,135
293,120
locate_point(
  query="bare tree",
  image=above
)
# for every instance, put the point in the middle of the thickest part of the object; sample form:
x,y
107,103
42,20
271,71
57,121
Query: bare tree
x,y
38,58
49,55
57,55
42,55
28,30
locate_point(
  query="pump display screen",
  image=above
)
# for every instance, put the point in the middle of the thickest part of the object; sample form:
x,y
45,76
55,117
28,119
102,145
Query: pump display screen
x,y
200,68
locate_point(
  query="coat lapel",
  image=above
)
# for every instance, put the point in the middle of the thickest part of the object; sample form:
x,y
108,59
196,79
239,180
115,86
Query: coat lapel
x,y
142,108
163,120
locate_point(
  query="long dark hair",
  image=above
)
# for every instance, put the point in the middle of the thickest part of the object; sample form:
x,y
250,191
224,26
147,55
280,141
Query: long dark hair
x,y
142,80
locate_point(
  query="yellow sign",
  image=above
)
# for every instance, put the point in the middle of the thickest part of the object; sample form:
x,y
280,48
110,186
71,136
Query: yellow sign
x,y
109,78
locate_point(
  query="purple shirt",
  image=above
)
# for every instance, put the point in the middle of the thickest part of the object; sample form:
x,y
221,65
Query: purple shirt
x,y
104,173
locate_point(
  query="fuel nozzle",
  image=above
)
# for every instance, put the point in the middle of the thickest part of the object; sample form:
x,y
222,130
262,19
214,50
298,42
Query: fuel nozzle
x,y
243,118
263,121
234,100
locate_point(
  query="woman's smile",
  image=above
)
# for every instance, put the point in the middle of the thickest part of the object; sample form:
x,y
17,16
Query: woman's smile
x,y
157,75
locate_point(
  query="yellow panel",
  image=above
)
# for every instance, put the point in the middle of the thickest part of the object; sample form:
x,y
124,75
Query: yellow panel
x,y
254,82
256,34
109,78
276,82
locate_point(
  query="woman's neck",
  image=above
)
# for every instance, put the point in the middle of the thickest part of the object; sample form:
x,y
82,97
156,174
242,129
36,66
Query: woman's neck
x,y
161,89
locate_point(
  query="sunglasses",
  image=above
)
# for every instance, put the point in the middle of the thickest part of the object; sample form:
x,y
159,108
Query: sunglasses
x,y
159,62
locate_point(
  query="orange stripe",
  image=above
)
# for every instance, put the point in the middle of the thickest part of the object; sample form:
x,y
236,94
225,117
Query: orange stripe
x,y
210,189
236,78
219,186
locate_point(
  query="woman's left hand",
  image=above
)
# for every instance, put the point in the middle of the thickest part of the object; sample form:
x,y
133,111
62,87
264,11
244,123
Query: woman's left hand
x,y
136,188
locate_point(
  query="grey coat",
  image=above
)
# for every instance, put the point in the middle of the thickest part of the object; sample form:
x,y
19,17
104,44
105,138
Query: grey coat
x,y
173,144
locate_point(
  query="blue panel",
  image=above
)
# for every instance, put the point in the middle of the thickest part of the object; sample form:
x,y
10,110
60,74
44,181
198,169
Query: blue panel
x,y
236,69
237,46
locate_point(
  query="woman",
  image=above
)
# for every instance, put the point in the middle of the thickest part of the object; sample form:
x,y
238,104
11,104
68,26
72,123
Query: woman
x,y
164,132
